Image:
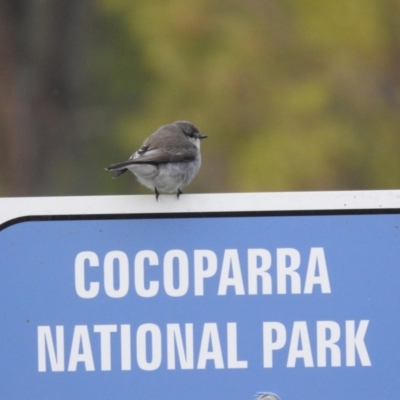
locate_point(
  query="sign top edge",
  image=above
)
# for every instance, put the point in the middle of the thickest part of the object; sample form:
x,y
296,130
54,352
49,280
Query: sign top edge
x,y
18,207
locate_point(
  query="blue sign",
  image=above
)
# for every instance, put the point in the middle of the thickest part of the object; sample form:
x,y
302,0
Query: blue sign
x,y
219,307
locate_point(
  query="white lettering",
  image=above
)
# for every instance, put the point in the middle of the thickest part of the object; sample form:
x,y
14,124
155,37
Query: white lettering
x,y
185,352
105,344
231,263
183,273
210,337
175,275
126,362
355,343
81,338
80,275
140,287
200,273
271,329
299,339
317,261
232,347
56,356
123,274
259,271
323,343
142,348
285,269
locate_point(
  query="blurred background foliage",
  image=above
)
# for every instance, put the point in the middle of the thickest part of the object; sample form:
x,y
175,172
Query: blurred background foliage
x,y
293,94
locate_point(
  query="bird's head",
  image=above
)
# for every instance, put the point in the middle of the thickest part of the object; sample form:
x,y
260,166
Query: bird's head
x,y
189,130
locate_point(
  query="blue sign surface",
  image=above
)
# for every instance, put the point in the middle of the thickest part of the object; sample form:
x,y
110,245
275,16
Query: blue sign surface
x,y
217,307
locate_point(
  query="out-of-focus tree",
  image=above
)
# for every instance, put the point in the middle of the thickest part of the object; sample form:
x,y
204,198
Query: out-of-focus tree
x,y
41,83
60,91
294,95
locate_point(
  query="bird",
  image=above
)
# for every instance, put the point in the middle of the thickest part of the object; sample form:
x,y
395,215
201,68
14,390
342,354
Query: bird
x,y
266,396
167,161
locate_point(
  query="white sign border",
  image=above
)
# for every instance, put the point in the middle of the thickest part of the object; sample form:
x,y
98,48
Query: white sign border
x,y
20,207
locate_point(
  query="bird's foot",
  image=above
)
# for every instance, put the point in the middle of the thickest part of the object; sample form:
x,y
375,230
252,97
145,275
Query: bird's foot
x,y
157,194
179,193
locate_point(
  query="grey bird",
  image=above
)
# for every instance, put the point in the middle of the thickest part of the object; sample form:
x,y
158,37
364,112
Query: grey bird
x,y
168,160
266,396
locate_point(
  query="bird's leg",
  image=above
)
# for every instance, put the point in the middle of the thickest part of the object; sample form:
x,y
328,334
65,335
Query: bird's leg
x,y
179,193
157,194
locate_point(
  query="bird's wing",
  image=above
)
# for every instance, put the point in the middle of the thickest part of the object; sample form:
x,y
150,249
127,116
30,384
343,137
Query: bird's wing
x,y
158,156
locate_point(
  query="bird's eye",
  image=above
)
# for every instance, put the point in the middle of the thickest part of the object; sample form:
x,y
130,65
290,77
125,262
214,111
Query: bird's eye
x,y
192,133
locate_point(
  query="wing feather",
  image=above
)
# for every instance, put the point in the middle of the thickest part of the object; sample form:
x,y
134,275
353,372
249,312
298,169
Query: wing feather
x,y
157,156
166,145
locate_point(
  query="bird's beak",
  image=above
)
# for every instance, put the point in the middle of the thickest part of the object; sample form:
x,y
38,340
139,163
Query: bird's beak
x,y
202,136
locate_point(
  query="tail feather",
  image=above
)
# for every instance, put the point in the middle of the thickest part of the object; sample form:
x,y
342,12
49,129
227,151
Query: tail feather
x,y
115,168
116,174
119,168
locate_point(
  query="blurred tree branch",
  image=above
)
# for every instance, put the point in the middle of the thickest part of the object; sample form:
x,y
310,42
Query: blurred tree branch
x,y
41,76
307,94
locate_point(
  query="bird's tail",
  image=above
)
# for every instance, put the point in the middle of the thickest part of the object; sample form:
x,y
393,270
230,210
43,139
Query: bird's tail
x,y
118,170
